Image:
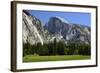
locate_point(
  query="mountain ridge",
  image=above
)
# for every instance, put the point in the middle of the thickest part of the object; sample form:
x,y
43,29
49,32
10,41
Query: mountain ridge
x,y
56,28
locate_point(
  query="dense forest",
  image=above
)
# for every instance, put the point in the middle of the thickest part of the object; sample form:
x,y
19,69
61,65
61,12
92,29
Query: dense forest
x,y
56,48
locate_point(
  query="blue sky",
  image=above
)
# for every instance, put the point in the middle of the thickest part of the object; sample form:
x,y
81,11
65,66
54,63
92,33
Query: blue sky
x,y
72,17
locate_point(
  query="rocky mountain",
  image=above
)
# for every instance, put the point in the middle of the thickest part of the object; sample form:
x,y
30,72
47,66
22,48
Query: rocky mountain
x,y
33,31
73,33
56,27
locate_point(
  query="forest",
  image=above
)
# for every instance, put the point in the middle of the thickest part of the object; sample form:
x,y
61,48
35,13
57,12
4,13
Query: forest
x,y
56,48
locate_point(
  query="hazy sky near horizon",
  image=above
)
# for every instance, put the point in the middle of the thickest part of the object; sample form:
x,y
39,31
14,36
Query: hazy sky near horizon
x,y
71,17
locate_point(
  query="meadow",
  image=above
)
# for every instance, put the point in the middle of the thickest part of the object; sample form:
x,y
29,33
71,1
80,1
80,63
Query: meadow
x,y
32,58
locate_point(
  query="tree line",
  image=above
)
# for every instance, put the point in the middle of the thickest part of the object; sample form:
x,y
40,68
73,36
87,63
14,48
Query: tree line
x,y
56,48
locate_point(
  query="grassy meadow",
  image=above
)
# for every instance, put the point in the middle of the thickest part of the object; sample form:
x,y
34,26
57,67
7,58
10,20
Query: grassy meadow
x,y
32,58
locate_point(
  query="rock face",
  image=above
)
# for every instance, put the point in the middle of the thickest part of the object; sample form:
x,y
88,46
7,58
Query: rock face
x,y
32,29
73,33
56,27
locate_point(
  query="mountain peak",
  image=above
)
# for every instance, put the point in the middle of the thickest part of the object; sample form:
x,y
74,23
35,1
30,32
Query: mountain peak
x,y
57,27
62,19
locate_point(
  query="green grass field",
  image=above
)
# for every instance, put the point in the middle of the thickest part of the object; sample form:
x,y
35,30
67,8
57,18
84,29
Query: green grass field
x,y
32,58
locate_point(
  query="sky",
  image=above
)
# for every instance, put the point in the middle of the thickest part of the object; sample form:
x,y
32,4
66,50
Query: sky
x,y
71,17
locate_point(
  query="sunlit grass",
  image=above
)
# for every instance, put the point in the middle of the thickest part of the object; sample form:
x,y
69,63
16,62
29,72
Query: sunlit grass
x,y
32,58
